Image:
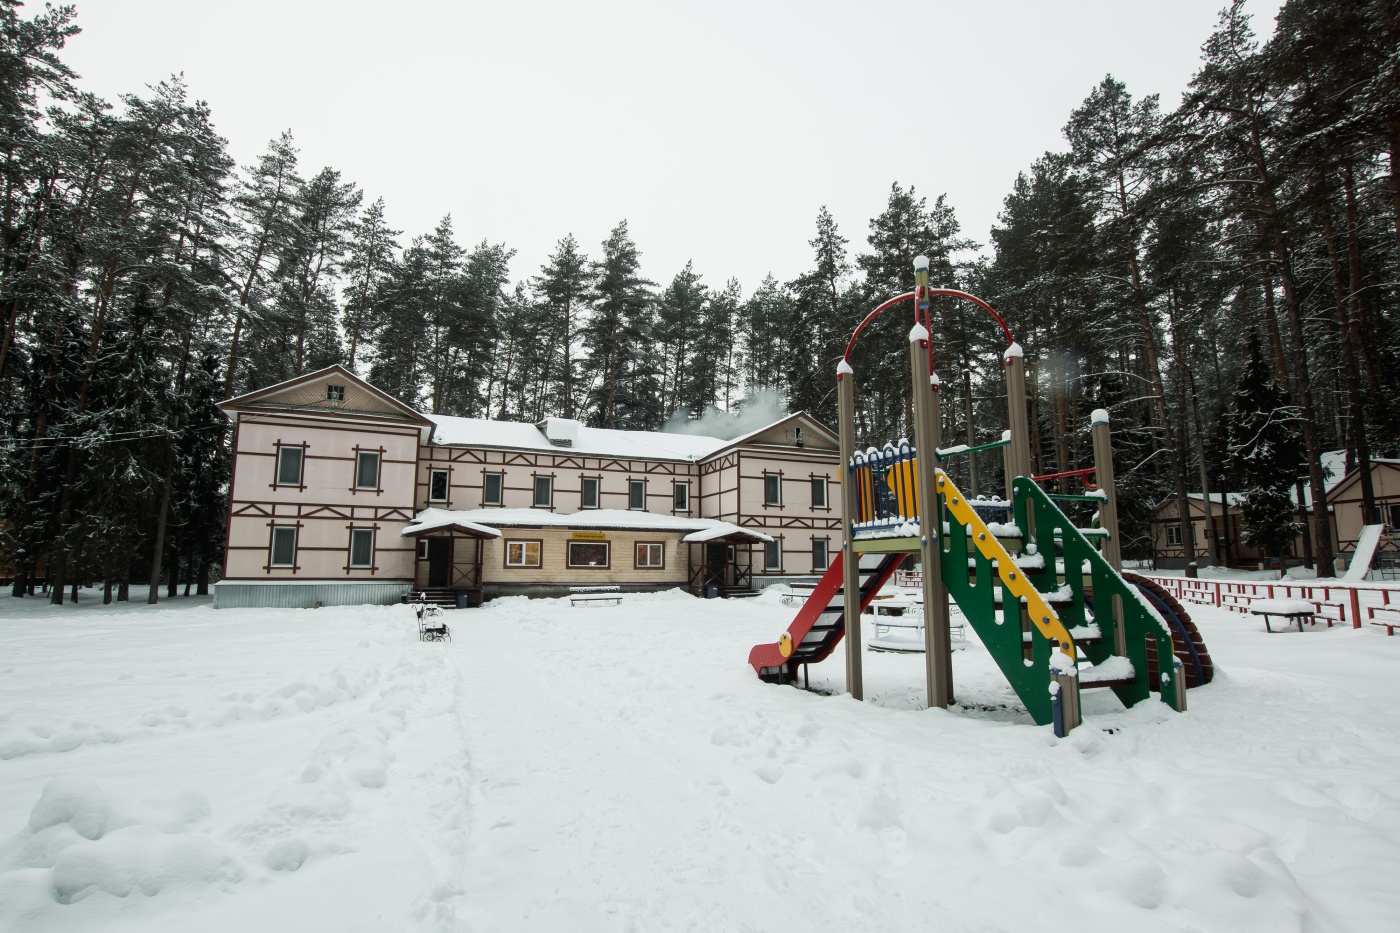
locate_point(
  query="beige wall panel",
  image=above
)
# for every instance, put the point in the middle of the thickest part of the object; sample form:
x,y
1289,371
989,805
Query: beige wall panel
x,y
554,550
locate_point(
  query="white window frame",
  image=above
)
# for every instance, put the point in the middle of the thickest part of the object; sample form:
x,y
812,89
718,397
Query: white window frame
x,y
822,483
524,545
446,475
583,492
680,496
825,545
548,502
284,449
632,486
1173,536
361,533
282,531
500,488
335,393
360,456
660,551
777,479
777,553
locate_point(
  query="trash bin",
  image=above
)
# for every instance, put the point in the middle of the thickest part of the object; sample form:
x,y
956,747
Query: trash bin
x,y
461,598
711,591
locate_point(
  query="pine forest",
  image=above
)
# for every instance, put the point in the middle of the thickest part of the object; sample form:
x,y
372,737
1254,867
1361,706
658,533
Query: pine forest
x,y
1221,276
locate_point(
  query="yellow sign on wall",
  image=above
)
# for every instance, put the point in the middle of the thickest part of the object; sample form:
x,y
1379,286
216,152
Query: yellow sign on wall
x,y
589,536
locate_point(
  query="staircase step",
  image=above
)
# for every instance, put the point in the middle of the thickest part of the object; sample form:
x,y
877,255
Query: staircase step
x,y
1093,684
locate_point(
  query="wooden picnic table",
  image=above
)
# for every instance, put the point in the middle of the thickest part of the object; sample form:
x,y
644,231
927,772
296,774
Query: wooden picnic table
x,y
1299,610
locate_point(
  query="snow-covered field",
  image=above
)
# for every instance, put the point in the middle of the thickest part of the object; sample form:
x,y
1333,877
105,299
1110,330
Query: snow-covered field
x,y
176,768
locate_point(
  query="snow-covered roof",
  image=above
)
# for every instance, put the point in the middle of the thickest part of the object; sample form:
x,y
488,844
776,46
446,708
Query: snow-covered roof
x,y
433,519
1235,499
520,435
490,520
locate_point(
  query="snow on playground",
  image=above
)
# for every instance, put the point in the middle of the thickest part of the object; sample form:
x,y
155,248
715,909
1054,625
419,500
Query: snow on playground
x,y
553,768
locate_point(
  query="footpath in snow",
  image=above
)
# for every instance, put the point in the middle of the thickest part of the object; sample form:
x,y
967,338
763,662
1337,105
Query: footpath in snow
x,y
622,769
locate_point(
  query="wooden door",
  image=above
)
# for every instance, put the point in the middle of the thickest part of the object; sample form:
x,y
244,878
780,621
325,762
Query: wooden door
x,y
439,561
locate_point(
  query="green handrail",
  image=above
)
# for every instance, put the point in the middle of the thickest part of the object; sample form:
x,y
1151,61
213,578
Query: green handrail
x,y
952,452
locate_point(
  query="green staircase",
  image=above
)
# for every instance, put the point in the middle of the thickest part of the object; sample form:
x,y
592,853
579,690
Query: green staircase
x,y
1107,622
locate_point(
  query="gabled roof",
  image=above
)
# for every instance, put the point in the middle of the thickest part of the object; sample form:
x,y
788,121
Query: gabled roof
x,y
748,438
1334,490
304,393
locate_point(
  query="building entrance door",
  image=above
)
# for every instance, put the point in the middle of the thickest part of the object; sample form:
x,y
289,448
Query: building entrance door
x,y
716,563
439,561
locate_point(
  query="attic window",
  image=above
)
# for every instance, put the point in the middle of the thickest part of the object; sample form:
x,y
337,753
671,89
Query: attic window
x,y
335,393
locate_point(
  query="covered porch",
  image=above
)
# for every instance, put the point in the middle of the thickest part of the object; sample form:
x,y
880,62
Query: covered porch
x,y
448,560
723,557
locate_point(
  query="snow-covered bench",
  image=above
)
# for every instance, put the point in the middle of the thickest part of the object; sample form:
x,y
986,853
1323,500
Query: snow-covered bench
x,y
595,596
1300,610
1389,620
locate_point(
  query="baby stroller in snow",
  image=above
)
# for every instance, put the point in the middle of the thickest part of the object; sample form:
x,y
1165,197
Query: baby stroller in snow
x,y
431,625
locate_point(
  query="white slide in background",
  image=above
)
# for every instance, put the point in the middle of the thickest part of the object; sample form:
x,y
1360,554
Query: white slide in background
x,y
1365,551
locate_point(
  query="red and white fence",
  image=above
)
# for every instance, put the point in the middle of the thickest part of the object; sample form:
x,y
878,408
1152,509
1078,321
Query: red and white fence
x,y
1375,604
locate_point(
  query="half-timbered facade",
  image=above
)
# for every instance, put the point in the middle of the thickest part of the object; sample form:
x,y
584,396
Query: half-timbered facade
x,y
341,494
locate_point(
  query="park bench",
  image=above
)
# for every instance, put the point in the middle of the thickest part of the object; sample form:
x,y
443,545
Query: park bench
x,y
1390,621
1299,610
595,596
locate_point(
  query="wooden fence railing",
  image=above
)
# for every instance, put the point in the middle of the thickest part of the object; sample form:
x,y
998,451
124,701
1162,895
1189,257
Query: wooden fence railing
x,y
1339,603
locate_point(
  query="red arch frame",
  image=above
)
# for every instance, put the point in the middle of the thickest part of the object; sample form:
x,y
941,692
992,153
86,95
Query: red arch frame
x,y
931,292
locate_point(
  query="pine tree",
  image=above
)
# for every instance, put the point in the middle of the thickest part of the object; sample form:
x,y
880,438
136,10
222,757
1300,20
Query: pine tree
x,y
564,284
368,261
1267,455
621,365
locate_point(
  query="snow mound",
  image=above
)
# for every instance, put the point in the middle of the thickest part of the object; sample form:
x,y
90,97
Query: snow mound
x,y
81,841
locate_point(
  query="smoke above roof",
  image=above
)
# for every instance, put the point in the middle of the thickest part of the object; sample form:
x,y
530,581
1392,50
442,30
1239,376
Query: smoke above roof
x,y
758,410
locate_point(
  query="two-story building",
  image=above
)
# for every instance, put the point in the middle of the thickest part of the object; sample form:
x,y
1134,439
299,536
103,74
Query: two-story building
x,y
341,494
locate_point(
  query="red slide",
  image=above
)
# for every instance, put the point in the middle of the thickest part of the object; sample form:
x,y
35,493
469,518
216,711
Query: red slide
x,y
820,623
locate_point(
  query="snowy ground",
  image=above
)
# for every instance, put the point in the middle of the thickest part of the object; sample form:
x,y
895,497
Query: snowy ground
x,y
176,768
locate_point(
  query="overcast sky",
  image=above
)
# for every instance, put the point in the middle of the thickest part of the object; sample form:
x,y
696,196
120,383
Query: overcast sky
x,y
716,128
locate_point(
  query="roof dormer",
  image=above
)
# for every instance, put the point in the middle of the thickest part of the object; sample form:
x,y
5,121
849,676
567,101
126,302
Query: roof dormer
x,y
561,432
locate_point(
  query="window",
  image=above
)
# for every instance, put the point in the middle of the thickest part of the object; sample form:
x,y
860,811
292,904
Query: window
x,y
493,486
772,489
651,555
335,393
636,494
289,461
522,553
682,497
422,549
367,469
1394,509
773,555
1173,535
590,492
819,553
544,492
819,492
589,554
437,485
361,547
284,546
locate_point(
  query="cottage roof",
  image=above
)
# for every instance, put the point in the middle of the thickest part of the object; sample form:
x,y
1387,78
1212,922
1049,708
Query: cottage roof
x,y
486,522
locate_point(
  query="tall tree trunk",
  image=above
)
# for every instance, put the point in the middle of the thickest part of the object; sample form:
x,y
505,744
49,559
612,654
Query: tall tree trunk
x,y
1347,339
153,594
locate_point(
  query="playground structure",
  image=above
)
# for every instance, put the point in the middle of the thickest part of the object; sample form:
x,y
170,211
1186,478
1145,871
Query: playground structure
x,y
1053,609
